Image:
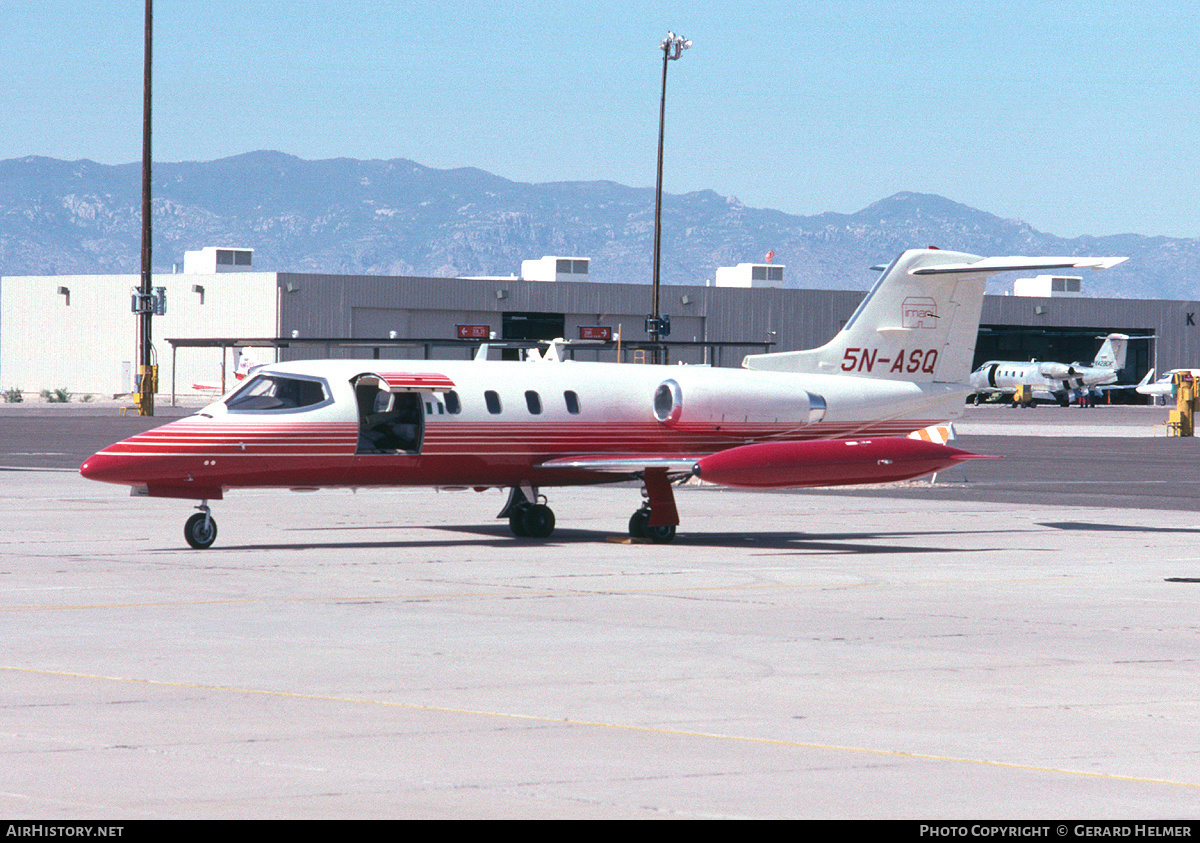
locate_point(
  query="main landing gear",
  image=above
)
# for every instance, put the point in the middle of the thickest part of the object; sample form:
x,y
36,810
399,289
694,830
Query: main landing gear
x,y
534,521
201,530
657,519
639,527
530,518
526,519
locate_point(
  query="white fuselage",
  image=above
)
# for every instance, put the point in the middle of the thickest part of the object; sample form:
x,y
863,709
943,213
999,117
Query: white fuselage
x,y
1164,386
503,423
1004,376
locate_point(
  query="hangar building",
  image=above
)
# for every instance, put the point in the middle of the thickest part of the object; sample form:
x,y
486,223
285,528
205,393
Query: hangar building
x,y
77,332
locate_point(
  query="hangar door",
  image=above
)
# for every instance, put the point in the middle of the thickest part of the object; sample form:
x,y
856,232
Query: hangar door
x,y
531,326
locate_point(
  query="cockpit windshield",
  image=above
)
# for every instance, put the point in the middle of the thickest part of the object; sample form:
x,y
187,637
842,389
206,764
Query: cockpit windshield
x,y
265,393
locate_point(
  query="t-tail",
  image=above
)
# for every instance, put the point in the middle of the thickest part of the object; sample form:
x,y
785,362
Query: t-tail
x,y
1112,354
246,362
920,320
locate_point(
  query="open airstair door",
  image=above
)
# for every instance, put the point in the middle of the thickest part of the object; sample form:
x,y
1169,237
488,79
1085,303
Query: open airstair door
x,y
391,410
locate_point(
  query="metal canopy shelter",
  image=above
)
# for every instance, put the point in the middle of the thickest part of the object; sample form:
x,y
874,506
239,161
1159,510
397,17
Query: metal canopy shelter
x,y
471,346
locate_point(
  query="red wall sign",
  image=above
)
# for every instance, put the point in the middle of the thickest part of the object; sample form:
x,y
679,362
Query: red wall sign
x,y
473,332
595,332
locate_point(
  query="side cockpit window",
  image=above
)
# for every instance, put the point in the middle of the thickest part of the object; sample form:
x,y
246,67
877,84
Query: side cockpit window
x,y
266,393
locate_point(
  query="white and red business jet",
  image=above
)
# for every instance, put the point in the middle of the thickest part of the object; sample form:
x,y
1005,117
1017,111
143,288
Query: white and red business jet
x,y
835,415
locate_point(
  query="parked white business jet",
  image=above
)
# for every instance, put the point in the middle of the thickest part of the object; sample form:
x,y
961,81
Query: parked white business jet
x,y
1059,382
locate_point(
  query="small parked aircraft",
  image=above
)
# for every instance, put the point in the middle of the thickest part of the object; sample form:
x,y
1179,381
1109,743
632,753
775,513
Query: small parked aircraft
x,y
245,362
1164,386
1063,383
834,415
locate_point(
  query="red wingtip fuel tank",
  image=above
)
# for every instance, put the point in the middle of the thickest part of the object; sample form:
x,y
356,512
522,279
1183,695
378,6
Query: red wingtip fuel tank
x,y
827,462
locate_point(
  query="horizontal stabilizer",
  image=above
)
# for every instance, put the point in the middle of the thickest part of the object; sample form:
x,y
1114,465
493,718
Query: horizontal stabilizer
x,y
1019,264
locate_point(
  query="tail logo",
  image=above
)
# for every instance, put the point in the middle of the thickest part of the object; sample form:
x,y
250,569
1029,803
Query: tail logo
x,y
919,312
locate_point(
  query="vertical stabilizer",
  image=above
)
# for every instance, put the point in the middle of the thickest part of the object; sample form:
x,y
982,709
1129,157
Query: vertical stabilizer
x,y
918,323
1112,354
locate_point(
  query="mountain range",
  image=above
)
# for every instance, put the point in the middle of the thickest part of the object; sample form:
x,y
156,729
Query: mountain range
x,y
398,217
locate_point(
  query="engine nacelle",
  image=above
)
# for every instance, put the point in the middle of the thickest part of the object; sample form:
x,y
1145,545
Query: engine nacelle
x,y
741,400
1056,371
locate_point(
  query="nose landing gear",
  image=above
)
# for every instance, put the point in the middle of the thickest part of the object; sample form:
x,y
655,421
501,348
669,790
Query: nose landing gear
x,y
200,531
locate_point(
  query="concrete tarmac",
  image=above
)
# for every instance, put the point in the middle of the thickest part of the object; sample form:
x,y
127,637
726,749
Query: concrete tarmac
x,y
915,652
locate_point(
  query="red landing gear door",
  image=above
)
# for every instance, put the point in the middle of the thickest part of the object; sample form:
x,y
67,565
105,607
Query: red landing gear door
x,y
662,499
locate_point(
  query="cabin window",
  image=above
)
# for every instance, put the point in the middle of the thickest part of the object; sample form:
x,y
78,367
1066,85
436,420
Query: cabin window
x,y
266,393
534,402
453,405
572,402
492,400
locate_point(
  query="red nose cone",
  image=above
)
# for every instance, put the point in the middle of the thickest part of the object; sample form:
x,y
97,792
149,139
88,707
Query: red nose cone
x,y
107,468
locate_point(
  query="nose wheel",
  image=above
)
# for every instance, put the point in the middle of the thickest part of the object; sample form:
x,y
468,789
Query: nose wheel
x,y
200,531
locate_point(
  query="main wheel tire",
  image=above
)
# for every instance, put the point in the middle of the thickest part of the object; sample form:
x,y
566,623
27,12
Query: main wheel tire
x,y
200,531
661,534
637,523
538,521
516,522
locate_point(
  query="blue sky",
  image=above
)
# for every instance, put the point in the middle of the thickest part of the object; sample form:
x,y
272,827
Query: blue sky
x,y
1080,118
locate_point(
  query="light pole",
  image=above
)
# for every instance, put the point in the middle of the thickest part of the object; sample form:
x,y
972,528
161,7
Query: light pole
x,y
145,313
672,47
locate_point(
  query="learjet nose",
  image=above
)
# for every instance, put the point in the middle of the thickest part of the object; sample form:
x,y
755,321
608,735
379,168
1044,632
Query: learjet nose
x,y
106,468
93,467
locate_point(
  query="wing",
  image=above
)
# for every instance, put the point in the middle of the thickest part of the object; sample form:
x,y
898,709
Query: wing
x,y
791,464
1145,381
657,471
625,464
